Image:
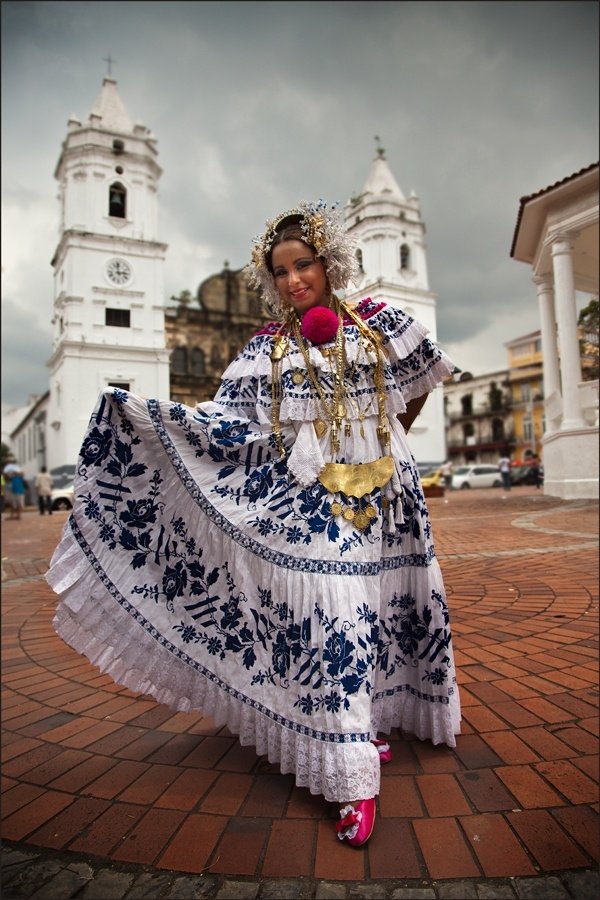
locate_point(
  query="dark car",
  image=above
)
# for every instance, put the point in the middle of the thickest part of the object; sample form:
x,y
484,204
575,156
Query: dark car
x,y
524,475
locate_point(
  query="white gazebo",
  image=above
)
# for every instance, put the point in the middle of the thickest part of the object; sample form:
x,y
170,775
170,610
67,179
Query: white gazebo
x,y
557,234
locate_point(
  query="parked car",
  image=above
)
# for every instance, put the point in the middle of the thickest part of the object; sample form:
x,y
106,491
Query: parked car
x,y
476,475
62,497
432,478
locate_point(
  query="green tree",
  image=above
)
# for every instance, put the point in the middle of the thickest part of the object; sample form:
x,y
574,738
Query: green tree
x,y
6,455
184,299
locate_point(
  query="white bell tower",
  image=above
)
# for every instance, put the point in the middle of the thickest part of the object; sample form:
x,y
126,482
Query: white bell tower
x,y
390,234
108,272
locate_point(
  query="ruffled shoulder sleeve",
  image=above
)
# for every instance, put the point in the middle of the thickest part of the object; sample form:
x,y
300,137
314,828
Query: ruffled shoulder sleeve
x,y
415,362
245,383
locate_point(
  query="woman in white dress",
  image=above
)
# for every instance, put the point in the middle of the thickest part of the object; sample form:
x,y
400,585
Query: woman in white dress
x,y
267,557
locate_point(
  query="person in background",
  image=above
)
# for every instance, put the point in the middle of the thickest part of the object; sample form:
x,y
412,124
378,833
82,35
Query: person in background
x,y
43,486
504,467
267,557
18,488
538,472
446,470
7,471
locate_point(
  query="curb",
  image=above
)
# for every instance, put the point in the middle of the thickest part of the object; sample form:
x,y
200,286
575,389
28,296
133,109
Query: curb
x,y
29,871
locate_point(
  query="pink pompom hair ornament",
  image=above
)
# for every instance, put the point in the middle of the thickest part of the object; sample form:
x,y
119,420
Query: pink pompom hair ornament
x,y
319,325
324,231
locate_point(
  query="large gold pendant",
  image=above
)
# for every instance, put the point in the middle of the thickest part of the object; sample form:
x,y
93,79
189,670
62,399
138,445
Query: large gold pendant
x,y
356,479
320,428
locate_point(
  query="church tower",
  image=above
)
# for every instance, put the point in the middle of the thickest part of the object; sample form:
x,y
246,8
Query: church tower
x,y
390,234
108,272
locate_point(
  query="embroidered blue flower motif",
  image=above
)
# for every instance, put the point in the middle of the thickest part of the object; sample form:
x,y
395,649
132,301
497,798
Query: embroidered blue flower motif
x,y
120,395
177,413
338,653
306,705
96,447
139,513
311,499
214,646
332,702
188,632
281,655
174,580
92,509
411,632
406,601
231,613
294,535
438,676
259,484
228,435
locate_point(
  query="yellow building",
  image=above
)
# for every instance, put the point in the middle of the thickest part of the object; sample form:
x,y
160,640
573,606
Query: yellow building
x,y
525,378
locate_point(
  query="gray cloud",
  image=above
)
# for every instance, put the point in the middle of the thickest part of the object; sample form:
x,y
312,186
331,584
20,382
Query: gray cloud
x,y
256,106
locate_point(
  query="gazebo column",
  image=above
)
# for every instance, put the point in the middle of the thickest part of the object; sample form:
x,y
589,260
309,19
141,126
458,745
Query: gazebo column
x,y
549,351
566,313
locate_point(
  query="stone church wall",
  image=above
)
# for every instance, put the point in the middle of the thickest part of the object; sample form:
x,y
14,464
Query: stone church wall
x,y
204,336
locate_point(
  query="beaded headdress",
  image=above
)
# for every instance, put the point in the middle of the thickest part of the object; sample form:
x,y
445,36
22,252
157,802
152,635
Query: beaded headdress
x,y
323,230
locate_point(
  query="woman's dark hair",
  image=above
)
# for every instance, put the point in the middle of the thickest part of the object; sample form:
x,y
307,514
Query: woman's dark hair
x,y
289,229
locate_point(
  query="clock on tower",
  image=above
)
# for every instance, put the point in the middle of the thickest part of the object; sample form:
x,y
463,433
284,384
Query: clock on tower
x,y
119,271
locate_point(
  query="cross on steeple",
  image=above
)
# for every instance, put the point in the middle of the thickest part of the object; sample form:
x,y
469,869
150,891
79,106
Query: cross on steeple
x,y
380,149
108,59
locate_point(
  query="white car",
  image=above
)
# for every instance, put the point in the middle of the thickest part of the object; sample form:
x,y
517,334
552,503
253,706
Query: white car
x,y
62,497
476,475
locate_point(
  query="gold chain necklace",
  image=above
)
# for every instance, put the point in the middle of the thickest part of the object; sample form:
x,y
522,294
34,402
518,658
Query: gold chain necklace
x,y
348,479
334,407
280,346
335,410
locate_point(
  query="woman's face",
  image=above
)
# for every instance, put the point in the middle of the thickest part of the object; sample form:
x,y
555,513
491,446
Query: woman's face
x,y
299,276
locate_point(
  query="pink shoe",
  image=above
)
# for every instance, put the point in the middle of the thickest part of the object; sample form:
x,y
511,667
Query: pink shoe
x,y
384,750
356,822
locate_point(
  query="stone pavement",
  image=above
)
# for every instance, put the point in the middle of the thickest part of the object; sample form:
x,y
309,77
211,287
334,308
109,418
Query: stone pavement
x,y
107,794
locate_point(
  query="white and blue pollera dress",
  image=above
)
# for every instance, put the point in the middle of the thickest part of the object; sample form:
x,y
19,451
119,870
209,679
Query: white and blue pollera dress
x,y
203,568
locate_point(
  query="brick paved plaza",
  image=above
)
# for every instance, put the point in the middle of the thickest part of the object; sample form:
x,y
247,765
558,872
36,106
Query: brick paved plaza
x,y
92,769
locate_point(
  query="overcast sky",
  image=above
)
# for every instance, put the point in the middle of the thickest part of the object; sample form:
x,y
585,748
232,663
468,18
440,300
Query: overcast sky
x,y
258,105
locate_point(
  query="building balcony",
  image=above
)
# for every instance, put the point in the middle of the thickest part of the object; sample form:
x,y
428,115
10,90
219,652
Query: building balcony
x,y
481,413
484,445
